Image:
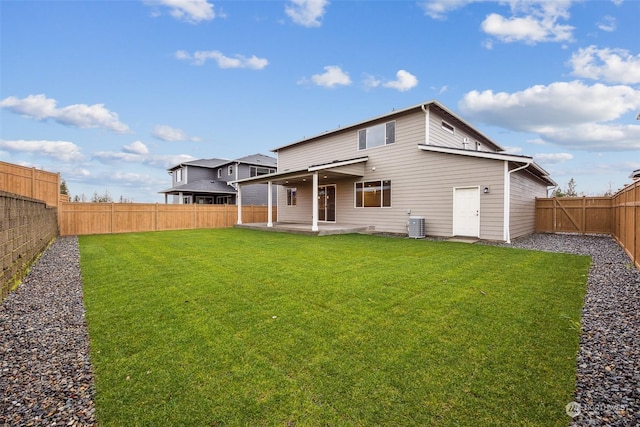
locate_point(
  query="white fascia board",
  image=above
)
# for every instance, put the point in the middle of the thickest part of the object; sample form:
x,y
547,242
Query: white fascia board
x,y
337,164
481,154
272,176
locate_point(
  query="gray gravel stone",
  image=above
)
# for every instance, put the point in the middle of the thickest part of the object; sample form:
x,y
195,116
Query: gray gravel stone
x,y
45,373
608,362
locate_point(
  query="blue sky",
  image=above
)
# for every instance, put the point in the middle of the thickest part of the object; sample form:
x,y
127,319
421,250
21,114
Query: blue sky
x,y
113,93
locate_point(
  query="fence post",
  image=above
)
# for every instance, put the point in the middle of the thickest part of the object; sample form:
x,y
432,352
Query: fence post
x,y
112,215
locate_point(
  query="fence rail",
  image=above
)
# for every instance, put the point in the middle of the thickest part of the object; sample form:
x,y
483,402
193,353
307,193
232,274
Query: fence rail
x,y
626,220
108,218
30,182
618,215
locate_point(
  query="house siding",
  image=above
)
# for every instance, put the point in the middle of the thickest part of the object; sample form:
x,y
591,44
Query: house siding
x,y
524,189
422,182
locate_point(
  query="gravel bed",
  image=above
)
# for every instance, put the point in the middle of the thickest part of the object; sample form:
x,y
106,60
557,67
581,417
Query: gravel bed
x,y
45,372
608,363
47,379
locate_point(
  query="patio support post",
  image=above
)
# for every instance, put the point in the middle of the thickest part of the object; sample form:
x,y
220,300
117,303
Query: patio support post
x,y
239,202
314,226
270,203
181,201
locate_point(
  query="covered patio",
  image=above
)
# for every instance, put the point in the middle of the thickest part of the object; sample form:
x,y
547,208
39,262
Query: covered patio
x,y
315,174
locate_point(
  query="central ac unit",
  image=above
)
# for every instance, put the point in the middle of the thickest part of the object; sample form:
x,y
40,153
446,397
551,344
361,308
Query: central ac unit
x,y
417,227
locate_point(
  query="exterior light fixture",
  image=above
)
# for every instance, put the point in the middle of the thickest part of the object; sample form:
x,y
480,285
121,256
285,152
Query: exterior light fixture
x,y
485,190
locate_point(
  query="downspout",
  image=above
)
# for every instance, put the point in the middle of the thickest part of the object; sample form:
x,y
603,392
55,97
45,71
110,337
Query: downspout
x,y
426,123
507,199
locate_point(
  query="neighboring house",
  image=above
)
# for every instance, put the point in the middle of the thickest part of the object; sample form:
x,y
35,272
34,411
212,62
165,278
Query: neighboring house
x,y
208,181
422,161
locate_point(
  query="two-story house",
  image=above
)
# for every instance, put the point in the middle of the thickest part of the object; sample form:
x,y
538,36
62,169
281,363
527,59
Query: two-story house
x,y
419,162
208,181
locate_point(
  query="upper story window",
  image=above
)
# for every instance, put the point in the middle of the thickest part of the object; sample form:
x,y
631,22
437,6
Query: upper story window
x,y
230,170
219,172
179,175
449,128
375,136
257,170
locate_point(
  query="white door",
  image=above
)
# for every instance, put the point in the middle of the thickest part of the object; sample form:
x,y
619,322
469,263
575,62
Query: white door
x,y
466,212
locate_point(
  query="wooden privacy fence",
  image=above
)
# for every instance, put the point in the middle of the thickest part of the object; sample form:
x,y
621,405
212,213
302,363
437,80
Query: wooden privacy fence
x,y
626,220
618,215
30,182
108,218
574,215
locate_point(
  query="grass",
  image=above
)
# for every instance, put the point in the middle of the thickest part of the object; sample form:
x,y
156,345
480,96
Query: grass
x,y
239,327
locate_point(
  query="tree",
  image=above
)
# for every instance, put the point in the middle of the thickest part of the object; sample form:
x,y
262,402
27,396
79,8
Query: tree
x,y
101,198
558,193
571,188
63,187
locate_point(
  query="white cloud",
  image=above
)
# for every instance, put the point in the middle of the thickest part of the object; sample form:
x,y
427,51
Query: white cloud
x,y
371,82
223,61
569,114
137,152
64,151
438,9
307,13
333,76
167,133
539,23
610,65
512,150
552,158
136,147
531,21
192,11
84,116
607,24
404,81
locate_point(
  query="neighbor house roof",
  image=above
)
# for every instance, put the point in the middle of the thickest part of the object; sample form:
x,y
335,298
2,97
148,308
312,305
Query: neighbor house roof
x,y
253,159
436,106
204,163
635,175
202,186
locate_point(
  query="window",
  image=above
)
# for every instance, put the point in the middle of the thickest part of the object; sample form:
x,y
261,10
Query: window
x,y
257,171
179,175
219,172
376,136
446,126
292,196
373,194
230,170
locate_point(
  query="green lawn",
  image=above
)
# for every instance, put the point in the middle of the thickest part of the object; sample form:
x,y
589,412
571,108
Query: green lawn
x,y
238,327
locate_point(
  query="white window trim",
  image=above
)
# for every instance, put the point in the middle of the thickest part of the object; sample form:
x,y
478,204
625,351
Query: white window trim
x,y
386,137
355,195
448,127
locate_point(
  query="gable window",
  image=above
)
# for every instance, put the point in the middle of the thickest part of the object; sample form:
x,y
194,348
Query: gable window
x,y
376,136
373,194
449,128
179,175
257,171
219,172
292,196
230,170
